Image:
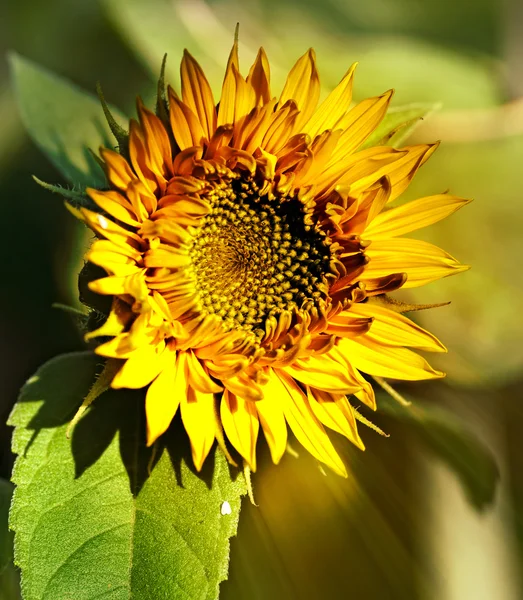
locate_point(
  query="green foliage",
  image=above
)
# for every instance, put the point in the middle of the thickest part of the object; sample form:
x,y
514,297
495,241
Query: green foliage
x,y
398,124
102,515
447,437
64,121
419,70
9,586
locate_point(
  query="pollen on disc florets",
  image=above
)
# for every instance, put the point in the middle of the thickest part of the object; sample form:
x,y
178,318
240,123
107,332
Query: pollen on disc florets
x,y
256,255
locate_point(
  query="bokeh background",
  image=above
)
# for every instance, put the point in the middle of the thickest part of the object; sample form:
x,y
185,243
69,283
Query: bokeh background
x,y
435,511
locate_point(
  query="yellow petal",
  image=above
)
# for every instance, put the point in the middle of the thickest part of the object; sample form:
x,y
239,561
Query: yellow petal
x,y
421,261
105,246
115,263
117,286
366,393
163,398
336,413
167,256
386,361
243,385
302,86
393,329
109,286
322,372
228,98
115,323
140,368
272,419
198,377
360,122
333,108
110,230
408,167
304,423
240,422
199,421
114,204
413,215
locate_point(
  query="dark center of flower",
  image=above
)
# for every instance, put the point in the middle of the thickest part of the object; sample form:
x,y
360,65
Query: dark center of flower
x,y
257,255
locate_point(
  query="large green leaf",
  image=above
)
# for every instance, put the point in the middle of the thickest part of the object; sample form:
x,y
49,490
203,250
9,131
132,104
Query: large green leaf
x,y
452,442
9,585
6,543
64,121
419,70
104,516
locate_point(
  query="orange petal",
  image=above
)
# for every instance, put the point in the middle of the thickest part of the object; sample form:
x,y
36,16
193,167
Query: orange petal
x,y
197,94
259,78
118,170
187,130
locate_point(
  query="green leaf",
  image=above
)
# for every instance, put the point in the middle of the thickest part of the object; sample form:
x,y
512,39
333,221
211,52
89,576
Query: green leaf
x,y
103,515
448,438
64,121
419,70
9,583
399,123
6,542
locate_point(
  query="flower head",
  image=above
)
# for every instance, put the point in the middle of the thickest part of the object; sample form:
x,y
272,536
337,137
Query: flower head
x,y
247,244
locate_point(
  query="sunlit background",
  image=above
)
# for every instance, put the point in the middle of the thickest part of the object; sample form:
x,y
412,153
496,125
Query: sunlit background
x,y
425,514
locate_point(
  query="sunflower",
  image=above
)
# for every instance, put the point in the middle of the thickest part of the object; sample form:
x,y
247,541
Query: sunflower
x,y
248,252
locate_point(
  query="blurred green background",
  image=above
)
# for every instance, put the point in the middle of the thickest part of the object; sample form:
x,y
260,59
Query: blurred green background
x,y
419,518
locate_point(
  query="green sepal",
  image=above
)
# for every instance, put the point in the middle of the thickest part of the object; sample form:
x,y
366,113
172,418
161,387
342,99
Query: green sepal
x,y
75,198
162,106
398,124
120,134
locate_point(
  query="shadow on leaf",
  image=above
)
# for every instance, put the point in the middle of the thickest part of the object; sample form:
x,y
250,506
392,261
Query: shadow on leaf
x,y
61,384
